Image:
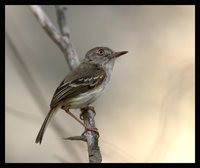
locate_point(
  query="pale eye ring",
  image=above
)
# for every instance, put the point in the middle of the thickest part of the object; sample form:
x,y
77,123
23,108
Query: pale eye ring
x,y
101,51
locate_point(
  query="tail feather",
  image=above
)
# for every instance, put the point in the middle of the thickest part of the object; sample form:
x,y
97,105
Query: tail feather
x,y
44,125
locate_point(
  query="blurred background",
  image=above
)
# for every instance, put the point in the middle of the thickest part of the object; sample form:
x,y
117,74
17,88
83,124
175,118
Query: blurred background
x,y
147,113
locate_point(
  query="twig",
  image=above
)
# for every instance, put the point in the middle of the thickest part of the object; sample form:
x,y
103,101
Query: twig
x,y
80,138
62,39
69,51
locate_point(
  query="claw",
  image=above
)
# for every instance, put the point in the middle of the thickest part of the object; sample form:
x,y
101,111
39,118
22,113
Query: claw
x,y
85,109
91,129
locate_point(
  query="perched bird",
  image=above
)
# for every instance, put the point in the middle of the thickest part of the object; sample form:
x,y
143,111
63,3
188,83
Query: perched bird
x,y
83,85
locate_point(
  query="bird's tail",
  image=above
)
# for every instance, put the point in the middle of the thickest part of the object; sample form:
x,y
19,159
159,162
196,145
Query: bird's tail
x,y
44,125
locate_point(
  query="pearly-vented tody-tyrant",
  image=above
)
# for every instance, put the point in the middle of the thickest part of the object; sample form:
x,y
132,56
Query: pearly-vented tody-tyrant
x,y
84,84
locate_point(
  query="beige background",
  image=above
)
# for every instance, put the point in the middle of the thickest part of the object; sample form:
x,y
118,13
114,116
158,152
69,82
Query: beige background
x,y
147,113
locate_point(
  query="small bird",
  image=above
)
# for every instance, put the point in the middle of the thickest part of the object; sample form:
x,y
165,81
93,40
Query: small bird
x,y
83,85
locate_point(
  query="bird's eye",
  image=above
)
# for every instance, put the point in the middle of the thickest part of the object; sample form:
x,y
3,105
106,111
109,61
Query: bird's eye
x,y
101,51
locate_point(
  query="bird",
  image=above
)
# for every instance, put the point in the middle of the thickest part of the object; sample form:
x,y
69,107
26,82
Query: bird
x,y
83,85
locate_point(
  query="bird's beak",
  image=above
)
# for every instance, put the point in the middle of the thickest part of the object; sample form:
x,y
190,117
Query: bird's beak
x,y
118,54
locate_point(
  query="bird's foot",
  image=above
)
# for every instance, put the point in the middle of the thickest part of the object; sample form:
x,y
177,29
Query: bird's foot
x,y
85,109
82,110
95,130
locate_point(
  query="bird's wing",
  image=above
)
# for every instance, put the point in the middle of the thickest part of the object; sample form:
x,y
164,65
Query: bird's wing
x,y
79,81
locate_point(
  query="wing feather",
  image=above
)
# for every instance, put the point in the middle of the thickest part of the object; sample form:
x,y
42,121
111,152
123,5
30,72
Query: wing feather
x,y
79,81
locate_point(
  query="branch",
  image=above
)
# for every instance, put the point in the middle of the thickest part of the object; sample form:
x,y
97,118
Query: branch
x,y
62,39
92,138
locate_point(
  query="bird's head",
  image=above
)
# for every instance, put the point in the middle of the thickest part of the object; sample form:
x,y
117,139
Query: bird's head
x,y
102,55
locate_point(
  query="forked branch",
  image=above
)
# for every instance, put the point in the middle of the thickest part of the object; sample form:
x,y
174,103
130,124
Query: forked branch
x,y
62,38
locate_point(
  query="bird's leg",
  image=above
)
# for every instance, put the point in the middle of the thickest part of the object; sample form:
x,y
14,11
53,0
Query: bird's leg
x,y
85,109
73,116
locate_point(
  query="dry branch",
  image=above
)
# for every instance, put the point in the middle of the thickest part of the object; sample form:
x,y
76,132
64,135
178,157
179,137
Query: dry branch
x,y
62,39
